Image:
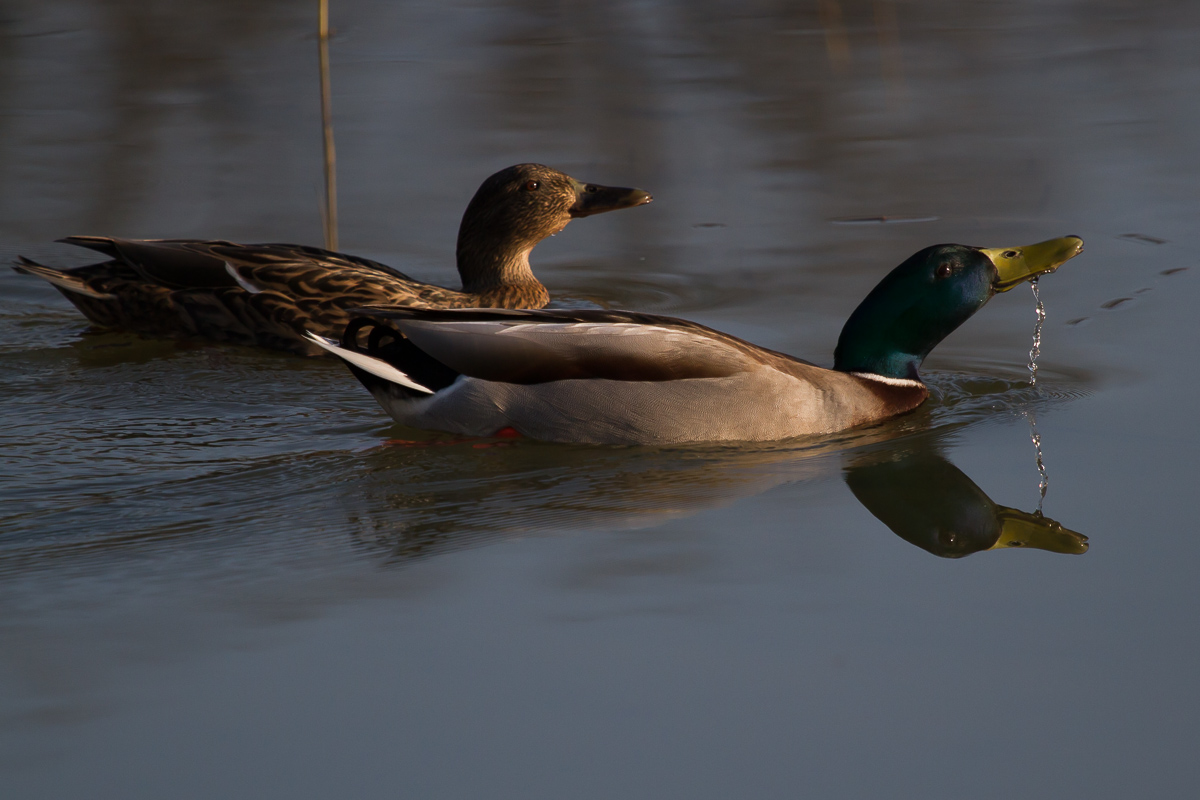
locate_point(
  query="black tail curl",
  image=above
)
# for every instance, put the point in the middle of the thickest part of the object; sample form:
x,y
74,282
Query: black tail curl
x,y
387,343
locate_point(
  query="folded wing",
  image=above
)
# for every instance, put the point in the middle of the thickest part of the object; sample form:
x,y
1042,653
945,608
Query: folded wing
x,y
531,347
296,270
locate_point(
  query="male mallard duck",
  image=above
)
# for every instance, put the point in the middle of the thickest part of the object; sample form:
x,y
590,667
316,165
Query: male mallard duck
x,y
620,377
270,294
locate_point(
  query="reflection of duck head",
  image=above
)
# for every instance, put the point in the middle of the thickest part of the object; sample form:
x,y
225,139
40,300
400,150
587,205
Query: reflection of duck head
x,y
928,501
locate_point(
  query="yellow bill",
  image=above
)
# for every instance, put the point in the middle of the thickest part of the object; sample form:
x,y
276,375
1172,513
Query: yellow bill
x,y
1018,529
1019,264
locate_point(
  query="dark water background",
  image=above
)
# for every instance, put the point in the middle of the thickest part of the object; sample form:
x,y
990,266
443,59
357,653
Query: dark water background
x,y
216,580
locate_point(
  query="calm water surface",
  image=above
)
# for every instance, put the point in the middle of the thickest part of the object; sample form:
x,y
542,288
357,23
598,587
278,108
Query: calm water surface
x,y
221,577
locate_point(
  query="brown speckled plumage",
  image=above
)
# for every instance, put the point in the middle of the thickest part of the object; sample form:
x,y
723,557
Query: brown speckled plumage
x,y
270,294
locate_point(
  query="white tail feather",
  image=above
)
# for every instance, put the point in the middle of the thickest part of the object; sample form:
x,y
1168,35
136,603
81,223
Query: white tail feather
x,y
377,367
242,282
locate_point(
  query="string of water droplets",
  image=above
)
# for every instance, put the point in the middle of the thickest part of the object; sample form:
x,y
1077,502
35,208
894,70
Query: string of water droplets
x,y
1034,436
1036,350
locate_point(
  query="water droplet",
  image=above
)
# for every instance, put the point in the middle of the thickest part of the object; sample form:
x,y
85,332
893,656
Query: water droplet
x,y
1043,476
1036,350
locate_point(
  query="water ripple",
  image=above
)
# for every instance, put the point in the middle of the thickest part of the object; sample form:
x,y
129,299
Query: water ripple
x,y
166,459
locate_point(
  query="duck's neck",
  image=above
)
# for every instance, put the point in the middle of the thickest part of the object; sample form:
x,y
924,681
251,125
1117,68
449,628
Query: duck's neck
x,y
491,260
898,395
884,338
887,366
487,268
868,346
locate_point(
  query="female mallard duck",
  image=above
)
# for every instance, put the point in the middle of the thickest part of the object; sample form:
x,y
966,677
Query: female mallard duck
x,y
270,294
619,377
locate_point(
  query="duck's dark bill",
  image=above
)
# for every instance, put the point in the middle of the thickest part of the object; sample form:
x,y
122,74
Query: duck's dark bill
x,y
591,198
1019,264
1018,529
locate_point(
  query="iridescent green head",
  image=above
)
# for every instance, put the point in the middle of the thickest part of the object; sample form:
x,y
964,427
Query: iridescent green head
x,y
924,299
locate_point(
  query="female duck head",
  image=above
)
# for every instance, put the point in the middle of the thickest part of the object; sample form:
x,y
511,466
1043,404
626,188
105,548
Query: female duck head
x,y
515,209
924,299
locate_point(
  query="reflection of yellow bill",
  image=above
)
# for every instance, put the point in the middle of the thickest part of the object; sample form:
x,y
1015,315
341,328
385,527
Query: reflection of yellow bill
x,y
1019,264
1018,529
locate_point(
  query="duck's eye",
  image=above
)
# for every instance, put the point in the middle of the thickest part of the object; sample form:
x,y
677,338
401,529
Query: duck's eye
x,y
590,189
1010,254
944,270
531,185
